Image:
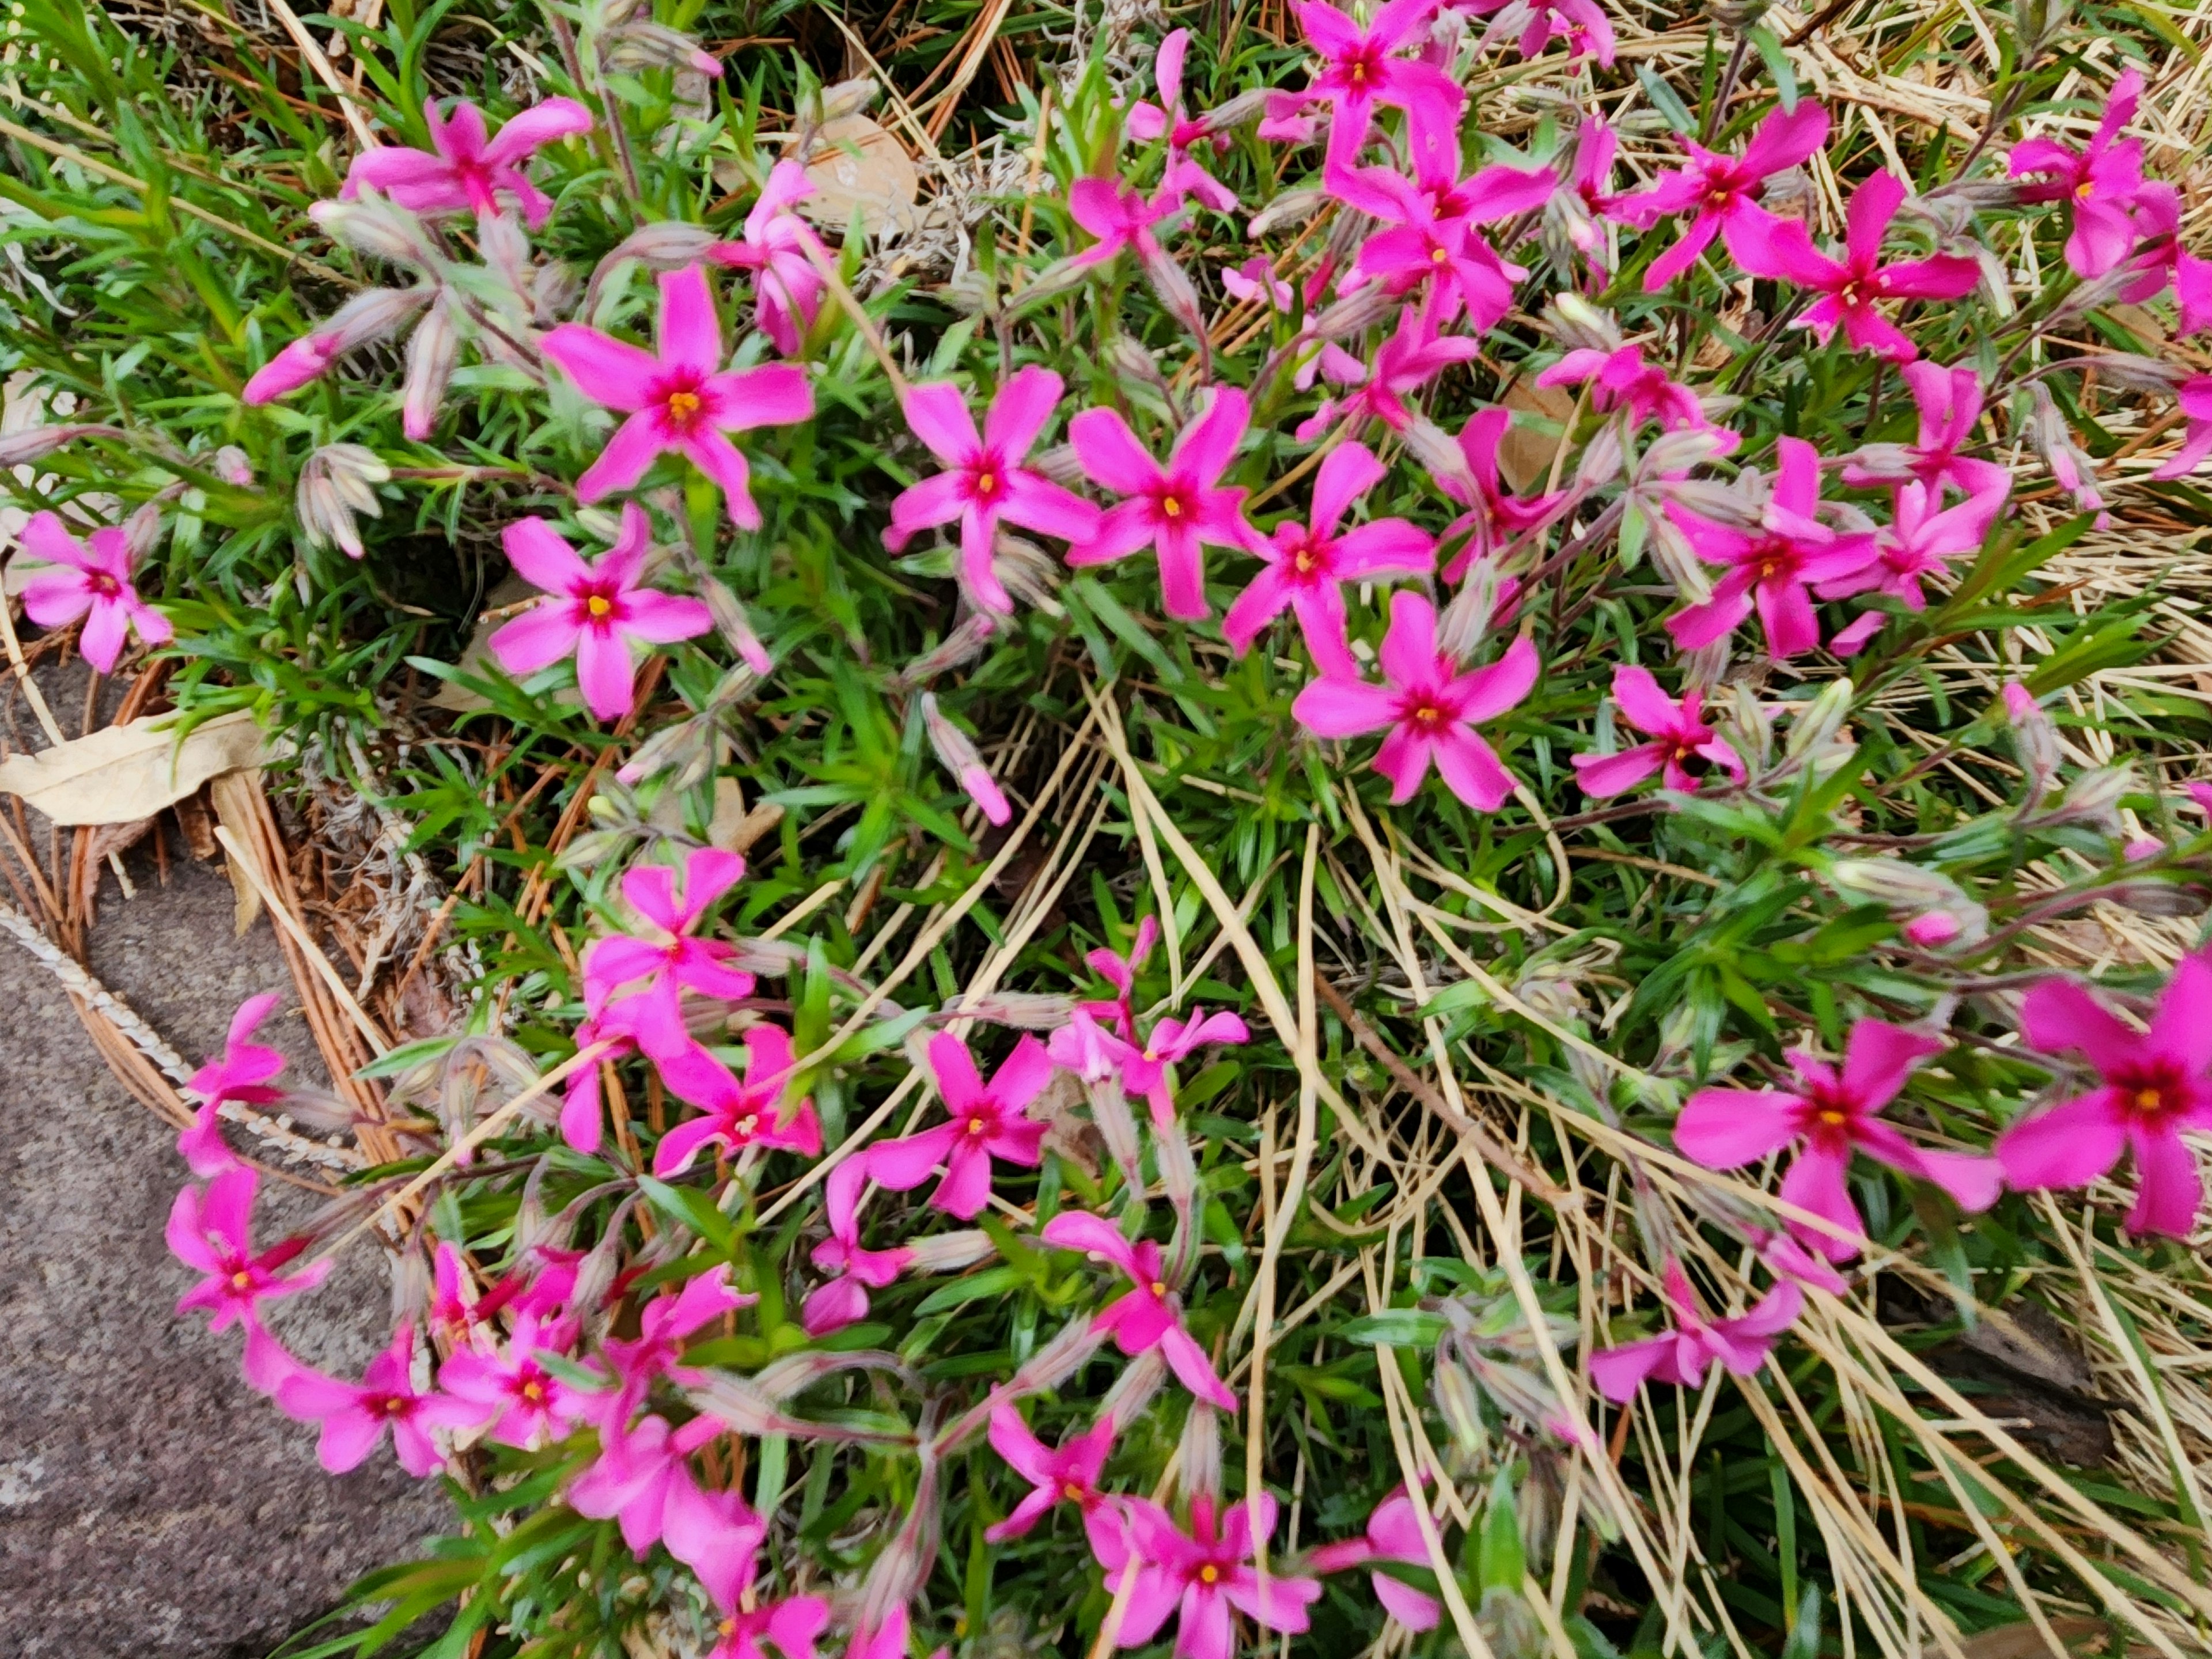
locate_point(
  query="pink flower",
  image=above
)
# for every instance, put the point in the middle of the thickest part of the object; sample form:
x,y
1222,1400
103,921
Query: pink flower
x,y
1718,193
1186,175
1067,1475
1429,707
2193,292
242,1074
1144,1065
1392,1534
1835,1112
984,480
1120,972
1851,286
844,1299
1360,70
677,396
464,172
1684,1355
1769,567
211,1231
512,1391
1118,215
983,1122
93,583
1950,401
2196,399
749,1114
1150,1315
1308,564
356,1416
1917,543
374,314
594,611
1493,511
1206,1575
642,1481
1682,744
2154,1086
667,957
1434,214
663,1324
1622,379
2100,184
1414,356
1177,508
791,1627
788,289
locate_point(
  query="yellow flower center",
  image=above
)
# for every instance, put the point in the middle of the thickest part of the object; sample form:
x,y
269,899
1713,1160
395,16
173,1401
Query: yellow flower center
x,y
534,1392
1209,1574
976,1126
1834,1119
241,1280
1437,256
2085,190
2149,1100
682,406
986,484
599,605
1071,1491
1428,714
1159,1287
1172,507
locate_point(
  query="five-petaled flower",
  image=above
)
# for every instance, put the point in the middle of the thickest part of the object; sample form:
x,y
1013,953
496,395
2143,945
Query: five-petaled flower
x,y
356,1416
678,397
1207,1574
1067,1473
788,289
1950,404
1176,508
1392,1534
856,1269
211,1230
93,582
669,958
1684,1355
1186,175
747,1114
1621,379
2101,184
1718,193
242,1074
1150,1315
465,172
1919,542
509,1392
981,1122
1683,746
1360,70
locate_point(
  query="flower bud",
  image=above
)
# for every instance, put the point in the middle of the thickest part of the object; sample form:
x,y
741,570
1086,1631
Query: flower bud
x,y
1439,454
668,244
1199,1469
964,643
2053,440
1356,312
1673,453
948,1253
337,485
231,466
1459,1402
380,227
143,529
1467,618
36,443
1601,460
2136,373
1577,325
1234,113
1026,570
373,315
2035,739
2094,799
430,356
1292,207
1132,1391
642,44
1673,558
958,753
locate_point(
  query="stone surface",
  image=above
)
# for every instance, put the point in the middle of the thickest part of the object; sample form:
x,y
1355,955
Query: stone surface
x,y
151,1503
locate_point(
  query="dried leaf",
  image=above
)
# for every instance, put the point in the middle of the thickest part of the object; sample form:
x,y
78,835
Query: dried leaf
x,y
2028,1340
856,166
121,774
233,798
1525,452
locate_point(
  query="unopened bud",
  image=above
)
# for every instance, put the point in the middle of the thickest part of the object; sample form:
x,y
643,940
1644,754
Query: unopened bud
x,y
1577,325
964,643
1356,312
1199,1468
2094,798
1467,619
958,753
1459,1402
143,529
1133,360
644,44
2136,373
1673,557
378,227
1234,113
36,443
231,466
668,245
1439,453
336,486
1601,460
1819,720
1673,453
1026,571
430,357
947,1253
1292,207
2035,739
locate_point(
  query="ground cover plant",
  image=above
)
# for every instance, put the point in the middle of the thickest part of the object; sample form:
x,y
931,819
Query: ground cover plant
x,y
1248,829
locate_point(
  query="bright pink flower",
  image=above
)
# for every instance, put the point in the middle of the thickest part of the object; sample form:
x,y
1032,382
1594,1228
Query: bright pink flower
x,y
211,1231
2193,292
1684,1355
1950,401
1853,286
1120,972
833,1306
1144,1065
1392,1534
465,1321
1307,564
354,1416
1186,175
1150,1315
1414,356
1207,1574
984,479
1494,513
1433,215
1068,1474
1716,192
983,1122
372,314
1917,543
93,583
677,396
787,288
1360,70
593,612
2154,1086
791,1627
1430,708
1622,379
751,1114
663,1324
642,1481
1835,1112
1119,216
2100,184
1682,744
242,1074
883,1640
2196,399
667,957
1582,24
462,172
1177,508
1770,566
511,1390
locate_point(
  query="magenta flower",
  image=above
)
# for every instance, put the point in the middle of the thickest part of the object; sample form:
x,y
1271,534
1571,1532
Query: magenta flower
x,y
1716,192
356,1416
1119,216
749,1114
1851,286
1150,1315
93,583
668,958
1120,972
665,1321
2193,292
1392,1534
1186,175
1414,356
833,1306
1308,564
791,1627
1684,1355
677,396
1950,403
1493,511
2100,184
1360,70
642,1481
1177,508
1429,707
1917,543
593,612
1206,1576
1622,379
462,172
2195,396
1068,1474
1768,567
1433,216
211,1231
2154,1086
983,1122
523,1402
1144,1065
242,1074
788,289
1682,744
984,479
1834,1113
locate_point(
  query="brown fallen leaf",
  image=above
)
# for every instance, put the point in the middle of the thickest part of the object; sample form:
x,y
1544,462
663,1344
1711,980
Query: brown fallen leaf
x,y
858,167
234,797
122,774
1525,452
2080,1638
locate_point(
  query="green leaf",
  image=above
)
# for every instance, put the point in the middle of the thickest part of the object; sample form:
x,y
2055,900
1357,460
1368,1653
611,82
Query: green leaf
x,y
1502,1563
1395,1328
1778,68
